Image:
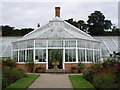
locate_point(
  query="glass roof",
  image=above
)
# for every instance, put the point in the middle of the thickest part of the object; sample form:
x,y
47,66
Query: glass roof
x,y
108,44
57,28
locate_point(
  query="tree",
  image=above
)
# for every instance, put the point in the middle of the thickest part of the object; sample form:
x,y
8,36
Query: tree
x,y
97,23
79,24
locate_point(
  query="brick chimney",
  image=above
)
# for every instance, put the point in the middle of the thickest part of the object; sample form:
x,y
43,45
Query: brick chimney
x,y
57,11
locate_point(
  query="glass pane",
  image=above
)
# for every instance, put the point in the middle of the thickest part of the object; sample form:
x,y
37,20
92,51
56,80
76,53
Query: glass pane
x,y
30,43
89,44
55,43
70,55
22,56
96,45
70,43
40,55
15,45
30,55
40,43
97,56
81,44
15,56
81,55
89,54
22,45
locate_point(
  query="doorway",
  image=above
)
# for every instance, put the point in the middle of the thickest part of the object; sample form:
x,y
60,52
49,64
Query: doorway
x,y
55,54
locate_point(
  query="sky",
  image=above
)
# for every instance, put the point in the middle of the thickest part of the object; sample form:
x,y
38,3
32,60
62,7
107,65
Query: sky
x,y
27,14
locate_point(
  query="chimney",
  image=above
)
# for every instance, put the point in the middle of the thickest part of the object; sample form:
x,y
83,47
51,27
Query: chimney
x,y
57,11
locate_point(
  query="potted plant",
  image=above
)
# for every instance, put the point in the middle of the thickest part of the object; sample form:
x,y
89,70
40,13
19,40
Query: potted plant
x,y
55,58
75,69
40,69
81,67
30,65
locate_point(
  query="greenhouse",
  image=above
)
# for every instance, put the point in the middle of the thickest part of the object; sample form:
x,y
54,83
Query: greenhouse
x,y
73,44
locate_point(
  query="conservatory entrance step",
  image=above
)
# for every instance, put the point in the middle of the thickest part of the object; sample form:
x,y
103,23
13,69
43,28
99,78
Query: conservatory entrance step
x,y
55,71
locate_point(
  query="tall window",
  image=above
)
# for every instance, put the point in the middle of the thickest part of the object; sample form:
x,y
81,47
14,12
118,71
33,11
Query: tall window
x,y
40,55
15,55
29,54
97,56
89,54
70,55
22,56
81,55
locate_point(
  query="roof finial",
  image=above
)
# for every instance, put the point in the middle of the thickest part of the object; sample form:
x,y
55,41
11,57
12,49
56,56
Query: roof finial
x,y
38,25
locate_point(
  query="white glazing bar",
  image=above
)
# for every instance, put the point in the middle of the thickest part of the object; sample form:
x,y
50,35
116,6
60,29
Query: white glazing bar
x,y
47,54
25,55
105,44
12,51
76,52
34,52
93,53
85,53
64,58
18,55
114,42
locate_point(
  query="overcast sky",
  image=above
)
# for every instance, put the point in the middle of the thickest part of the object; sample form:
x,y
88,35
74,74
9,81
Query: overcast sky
x,y
28,14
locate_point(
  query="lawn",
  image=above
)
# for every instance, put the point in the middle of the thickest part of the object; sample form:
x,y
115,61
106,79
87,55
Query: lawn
x,y
24,82
79,82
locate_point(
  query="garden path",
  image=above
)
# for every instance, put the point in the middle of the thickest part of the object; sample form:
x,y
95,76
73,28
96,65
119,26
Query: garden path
x,y
52,81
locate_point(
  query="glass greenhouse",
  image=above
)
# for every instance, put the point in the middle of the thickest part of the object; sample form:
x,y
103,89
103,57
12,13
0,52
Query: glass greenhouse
x,y
75,45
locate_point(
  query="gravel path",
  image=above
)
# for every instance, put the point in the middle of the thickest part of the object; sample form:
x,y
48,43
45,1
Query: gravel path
x,y
52,81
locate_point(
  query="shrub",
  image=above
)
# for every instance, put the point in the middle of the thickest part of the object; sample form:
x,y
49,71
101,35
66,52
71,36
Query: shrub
x,y
103,80
92,71
89,75
81,66
109,62
40,67
10,75
9,62
75,67
30,65
4,82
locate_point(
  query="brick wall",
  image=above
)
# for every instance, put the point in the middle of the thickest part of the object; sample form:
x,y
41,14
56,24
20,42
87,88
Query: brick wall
x,y
22,66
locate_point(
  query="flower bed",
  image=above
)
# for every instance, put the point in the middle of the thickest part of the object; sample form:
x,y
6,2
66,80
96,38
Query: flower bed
x,y
10,73
104,75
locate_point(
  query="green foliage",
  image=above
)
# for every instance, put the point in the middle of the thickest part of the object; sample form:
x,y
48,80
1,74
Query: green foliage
x,y
103,81
11,31
24,83
81,66
4,82
79,82
109,63
97,23
9,62
10,75
74,67
30,65
40,67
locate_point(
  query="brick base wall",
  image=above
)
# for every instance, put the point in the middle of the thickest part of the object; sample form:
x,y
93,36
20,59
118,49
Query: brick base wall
x,y
69,65
23,67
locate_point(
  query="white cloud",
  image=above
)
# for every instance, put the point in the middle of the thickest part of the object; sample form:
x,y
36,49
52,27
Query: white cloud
x,y
28,14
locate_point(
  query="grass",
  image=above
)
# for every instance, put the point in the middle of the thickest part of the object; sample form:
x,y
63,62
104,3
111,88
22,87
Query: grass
x,y
79,82
24,82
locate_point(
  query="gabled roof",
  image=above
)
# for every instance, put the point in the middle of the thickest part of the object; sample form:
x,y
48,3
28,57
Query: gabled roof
x,y
57,29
